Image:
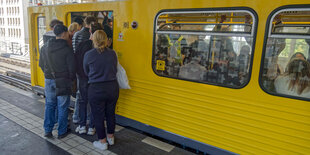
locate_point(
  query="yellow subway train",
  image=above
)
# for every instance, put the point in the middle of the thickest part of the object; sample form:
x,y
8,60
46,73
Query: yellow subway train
x,y
222,77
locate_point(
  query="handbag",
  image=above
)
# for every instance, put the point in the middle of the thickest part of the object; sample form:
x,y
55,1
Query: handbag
x,y
63,85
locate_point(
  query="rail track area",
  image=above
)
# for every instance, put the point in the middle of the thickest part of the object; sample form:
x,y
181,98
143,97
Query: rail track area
x,y
15,72
21,130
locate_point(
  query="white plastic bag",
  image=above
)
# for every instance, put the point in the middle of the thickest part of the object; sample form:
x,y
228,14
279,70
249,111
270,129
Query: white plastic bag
x,y
122,77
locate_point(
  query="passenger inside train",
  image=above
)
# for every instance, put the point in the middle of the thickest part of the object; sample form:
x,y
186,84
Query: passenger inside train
x,y
286,67
208,51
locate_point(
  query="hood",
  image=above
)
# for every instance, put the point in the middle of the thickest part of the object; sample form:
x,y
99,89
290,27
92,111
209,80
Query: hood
x,y
54,45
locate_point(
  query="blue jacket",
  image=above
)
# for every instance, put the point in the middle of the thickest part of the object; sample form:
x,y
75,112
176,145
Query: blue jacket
x,y
100,67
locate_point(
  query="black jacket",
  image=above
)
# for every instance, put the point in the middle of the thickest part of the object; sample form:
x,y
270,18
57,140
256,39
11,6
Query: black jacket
x,y
79,37
82,48
61,57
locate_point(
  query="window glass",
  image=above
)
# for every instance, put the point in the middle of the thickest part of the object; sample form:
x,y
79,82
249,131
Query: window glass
x,y
203,46
286,68
41,30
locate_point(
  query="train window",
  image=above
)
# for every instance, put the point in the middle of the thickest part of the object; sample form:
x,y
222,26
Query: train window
x,y
103,17
213,47
285,70
41,30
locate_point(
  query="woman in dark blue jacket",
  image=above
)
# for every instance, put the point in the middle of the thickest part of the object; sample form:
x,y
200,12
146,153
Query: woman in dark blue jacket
x,y
100,65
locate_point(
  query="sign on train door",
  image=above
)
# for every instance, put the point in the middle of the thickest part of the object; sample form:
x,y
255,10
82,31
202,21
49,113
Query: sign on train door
x,y
40,30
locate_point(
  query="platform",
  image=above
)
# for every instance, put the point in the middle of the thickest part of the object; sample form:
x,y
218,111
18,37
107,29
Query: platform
x,y
21,130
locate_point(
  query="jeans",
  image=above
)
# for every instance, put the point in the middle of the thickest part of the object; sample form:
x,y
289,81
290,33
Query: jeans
x,y
76,115
102,98
83,103
53,102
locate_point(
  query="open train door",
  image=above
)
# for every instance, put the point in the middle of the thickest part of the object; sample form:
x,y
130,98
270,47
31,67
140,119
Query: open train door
x,y
38,29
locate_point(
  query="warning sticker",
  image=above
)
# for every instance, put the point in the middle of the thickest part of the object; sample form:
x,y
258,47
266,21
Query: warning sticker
x,y
160,65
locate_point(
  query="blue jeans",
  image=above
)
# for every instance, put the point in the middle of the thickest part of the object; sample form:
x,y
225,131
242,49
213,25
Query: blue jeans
x,y
76,114
53,102
83,103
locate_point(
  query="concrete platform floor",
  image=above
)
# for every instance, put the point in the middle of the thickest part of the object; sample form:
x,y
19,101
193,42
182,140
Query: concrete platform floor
x,y
21,130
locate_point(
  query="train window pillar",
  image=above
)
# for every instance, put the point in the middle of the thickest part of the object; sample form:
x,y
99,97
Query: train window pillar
x,y
285,70
213,47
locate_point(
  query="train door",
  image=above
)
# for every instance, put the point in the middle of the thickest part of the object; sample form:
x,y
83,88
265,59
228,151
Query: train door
x,y
40,26
103,17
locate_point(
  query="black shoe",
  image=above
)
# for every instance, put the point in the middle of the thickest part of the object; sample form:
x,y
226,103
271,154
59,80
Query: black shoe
x,y
48,135
63,135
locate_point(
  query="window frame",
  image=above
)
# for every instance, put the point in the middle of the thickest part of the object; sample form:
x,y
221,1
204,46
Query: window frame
x,y
208,10
269,34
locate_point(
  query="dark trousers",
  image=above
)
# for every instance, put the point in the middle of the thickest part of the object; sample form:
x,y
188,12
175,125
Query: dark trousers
x,y
103,97
83,101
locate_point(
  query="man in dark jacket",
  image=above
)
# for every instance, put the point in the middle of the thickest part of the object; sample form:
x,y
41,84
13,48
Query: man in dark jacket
x,y
78,38
57,62
84,33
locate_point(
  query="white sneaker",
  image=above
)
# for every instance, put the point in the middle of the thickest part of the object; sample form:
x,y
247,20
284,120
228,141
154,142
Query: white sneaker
x,y
77,129
110,140
80,129
91,131
100,146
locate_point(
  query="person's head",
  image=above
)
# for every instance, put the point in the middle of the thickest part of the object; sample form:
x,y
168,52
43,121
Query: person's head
x,y
74,27
61,32
299,73
298,55
55,22
100,40
93,28
90,20
80,21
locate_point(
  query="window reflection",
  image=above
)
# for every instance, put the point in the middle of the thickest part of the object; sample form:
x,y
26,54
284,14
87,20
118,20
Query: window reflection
x,y
286,67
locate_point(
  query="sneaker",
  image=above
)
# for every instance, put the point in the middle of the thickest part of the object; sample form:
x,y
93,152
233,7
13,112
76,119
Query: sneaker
x,y
81,129
110,140
48,135
91,131
100,146
77,129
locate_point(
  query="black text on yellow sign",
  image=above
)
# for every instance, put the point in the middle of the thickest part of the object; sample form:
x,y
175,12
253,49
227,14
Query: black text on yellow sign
x,y
160,65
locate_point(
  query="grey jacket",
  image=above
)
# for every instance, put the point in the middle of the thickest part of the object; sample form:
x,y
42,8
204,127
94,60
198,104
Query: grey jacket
x,y
79,37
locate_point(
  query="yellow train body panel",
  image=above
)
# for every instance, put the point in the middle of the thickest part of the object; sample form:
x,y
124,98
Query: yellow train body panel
x,y
243,121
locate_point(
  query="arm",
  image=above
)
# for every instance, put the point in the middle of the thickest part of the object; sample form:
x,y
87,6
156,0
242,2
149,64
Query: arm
x,y
85,64
74,41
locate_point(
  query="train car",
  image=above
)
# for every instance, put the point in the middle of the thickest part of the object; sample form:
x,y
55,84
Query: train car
x,y
216,76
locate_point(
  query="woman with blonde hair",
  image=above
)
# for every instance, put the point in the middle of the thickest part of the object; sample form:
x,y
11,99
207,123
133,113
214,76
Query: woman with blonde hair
x,y
296,80
100,65
74,27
